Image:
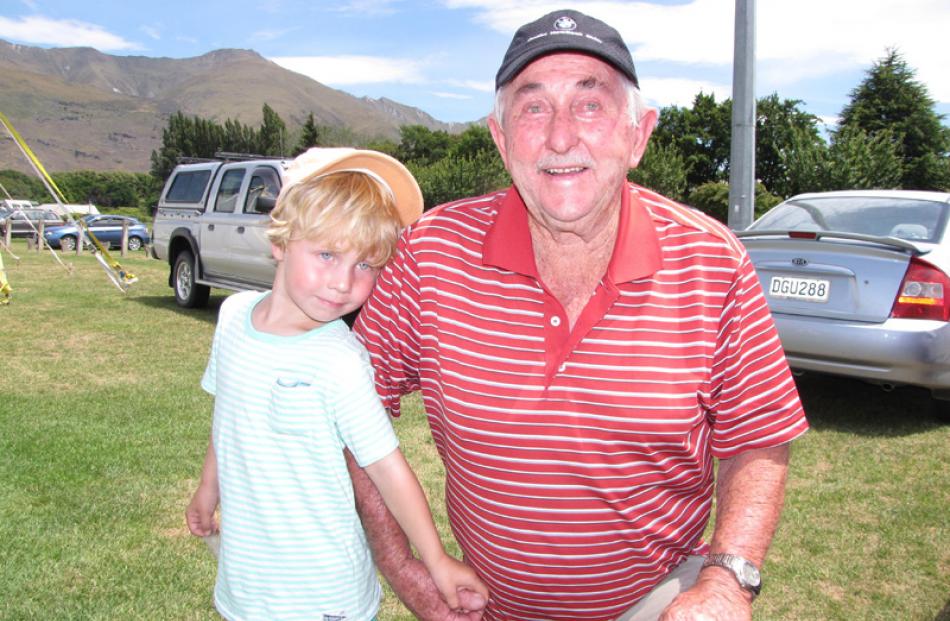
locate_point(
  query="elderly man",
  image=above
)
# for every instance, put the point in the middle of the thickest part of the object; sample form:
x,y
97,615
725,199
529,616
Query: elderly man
x,y
585,348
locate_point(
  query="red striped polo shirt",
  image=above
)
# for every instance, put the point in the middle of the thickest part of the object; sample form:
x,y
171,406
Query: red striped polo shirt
x,y
579,462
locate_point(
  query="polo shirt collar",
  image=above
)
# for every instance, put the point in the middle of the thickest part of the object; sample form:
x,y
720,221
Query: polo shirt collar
x,y
636,254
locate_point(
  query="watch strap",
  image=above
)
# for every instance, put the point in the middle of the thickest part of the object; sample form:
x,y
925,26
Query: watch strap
x,y
745,572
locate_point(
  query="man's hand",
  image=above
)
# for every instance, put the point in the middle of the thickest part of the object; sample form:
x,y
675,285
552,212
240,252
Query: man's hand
x,y
407,575
418,592
716,596
749,495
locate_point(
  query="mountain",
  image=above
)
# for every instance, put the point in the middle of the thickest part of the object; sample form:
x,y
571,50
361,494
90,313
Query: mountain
x,y
80,109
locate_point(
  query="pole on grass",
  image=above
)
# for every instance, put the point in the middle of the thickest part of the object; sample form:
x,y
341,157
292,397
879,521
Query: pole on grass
x,y
742,147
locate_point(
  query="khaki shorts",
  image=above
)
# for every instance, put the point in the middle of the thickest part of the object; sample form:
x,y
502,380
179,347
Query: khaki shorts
x,y
655,602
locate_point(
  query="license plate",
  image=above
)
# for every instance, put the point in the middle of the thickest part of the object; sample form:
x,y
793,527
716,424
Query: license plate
x,y
807,289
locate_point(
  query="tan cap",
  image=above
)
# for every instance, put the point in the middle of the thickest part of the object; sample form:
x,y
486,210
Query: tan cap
x,y
388,171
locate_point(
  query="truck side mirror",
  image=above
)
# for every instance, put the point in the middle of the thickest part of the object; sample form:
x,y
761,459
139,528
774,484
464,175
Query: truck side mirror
x,y
265,204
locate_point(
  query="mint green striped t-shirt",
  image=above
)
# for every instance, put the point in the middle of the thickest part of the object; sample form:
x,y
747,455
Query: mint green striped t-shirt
x,y
292,546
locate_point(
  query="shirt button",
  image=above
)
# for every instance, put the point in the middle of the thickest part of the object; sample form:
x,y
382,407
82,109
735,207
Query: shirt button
x,y
561,368
555,321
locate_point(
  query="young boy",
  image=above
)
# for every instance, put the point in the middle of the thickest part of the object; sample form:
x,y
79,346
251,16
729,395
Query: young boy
x,y
292,389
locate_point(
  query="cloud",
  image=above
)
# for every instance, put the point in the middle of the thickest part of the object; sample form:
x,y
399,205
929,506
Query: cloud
x,y
40,30
152,32
346,70
680,92
365,8
852,35
483,86
444,95
795,41
271,34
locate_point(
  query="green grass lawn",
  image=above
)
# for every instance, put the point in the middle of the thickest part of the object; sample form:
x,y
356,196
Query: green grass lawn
x,y
103,427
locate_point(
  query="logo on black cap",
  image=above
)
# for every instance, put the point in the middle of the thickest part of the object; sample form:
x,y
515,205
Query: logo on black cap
x,y
565,23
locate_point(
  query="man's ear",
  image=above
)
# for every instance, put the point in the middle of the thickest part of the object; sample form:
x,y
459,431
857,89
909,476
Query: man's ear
x,y
498,135
641,135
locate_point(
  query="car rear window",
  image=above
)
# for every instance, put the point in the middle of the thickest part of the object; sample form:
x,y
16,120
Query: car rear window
x,y
905,218
188,186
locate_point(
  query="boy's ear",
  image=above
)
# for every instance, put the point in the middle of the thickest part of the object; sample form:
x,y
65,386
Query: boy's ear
x,y
277,252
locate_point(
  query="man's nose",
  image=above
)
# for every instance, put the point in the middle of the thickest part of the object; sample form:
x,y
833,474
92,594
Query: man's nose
x,y
562,131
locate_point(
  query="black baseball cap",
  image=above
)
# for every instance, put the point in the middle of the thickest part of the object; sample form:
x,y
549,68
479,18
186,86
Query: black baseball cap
x,y
563,31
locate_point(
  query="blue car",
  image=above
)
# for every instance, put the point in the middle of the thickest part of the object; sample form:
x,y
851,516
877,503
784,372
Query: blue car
x,y
106,227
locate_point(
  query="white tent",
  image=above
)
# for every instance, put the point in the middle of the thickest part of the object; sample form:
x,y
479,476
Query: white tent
x,y
72,208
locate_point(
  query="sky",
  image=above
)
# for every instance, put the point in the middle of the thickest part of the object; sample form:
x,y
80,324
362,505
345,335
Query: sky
x,y
441,55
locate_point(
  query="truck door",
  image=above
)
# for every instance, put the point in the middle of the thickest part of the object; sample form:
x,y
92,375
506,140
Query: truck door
x,y
218,221
251,257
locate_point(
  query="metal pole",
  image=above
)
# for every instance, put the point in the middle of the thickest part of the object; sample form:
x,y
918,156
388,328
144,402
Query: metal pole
x,y
742,148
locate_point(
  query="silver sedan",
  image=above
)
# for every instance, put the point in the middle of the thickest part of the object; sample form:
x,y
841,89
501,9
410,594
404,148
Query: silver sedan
x,y
858,284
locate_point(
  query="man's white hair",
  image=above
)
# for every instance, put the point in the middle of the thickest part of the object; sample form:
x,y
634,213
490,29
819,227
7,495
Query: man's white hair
x,y
635,105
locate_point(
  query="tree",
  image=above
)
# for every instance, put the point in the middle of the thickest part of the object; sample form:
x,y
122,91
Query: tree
x,y
806,164
858,160
663,170
186,137
474,140
713,199
890,99
239,138
853,160
202,138
23,186
310,136
273,133
451,178
421,145
781,127
700,135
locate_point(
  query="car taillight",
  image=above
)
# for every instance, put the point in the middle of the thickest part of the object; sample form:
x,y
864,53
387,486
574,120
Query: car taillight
x,y
923,293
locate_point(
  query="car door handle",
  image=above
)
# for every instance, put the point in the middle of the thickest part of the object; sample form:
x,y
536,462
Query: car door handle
x,y
240,229
210,227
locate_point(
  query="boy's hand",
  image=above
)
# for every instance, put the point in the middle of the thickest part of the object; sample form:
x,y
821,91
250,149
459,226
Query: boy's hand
x,y
452,576
200,512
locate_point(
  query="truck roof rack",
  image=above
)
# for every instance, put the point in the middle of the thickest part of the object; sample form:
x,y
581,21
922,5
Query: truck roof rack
x,y
227,156
230,156
182,159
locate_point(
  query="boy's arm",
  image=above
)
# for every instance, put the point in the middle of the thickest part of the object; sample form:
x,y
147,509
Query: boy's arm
x,y
404,497
200,511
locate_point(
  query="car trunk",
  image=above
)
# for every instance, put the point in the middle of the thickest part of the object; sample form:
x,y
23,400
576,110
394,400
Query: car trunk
x,y
829,277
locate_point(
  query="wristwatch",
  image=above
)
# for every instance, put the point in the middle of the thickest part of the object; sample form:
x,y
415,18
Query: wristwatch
x,y
745,572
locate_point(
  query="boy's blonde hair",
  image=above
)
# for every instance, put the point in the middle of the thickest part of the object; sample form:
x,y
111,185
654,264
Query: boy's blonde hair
x,y
347,210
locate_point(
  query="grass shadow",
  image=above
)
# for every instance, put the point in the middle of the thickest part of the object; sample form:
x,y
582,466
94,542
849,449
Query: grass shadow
x,y
853,406
944,615
167,302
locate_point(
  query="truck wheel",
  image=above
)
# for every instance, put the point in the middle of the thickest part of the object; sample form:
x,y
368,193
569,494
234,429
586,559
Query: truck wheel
x,y
188,294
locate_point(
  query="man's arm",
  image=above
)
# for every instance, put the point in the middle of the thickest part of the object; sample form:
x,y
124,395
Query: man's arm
x,y
406,501
750,491
406,574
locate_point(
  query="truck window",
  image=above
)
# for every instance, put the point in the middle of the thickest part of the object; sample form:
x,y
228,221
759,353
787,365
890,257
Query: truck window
x,y
188,186
228,191
262,191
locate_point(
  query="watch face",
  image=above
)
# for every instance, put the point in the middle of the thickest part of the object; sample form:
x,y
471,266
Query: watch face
x,y
750,575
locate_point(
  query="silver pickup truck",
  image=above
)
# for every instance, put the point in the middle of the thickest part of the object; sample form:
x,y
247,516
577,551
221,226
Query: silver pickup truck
x,y
210,223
